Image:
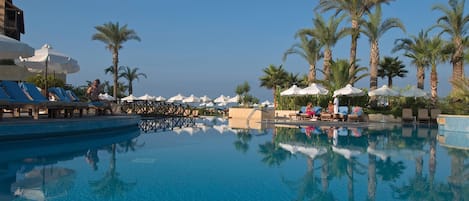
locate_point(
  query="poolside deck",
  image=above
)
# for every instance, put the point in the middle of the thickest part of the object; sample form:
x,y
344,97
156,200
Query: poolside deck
x,y
20,128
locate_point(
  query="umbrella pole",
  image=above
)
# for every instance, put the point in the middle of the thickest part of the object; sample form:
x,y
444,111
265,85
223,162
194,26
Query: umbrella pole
x,y
45,82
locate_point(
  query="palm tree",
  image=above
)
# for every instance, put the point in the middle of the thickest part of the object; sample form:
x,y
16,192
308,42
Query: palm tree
x,y
355,9
391,67
273,78
131,74
438,52
308,49
114,36
455,24
415,48
328,34
375,29
340,75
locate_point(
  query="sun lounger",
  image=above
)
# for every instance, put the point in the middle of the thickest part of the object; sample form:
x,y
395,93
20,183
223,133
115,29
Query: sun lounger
x,y
343,112
21,99
72,102
53,107
407,115
422,115
325,116
434,114
356,114
298,115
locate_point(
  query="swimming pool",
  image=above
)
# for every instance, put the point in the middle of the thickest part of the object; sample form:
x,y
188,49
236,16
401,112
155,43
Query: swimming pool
x,y
210,161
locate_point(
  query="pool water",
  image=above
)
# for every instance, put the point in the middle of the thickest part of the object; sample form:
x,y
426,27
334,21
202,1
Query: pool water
x,y
210,161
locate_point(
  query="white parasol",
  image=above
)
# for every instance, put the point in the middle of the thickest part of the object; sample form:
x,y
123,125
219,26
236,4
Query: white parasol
x,y
13,49
160,98
221,99
176,98
146,97
348,90
415,92
106,97
292,91
205,99
191,99
46,59
383,91
129,98
314,89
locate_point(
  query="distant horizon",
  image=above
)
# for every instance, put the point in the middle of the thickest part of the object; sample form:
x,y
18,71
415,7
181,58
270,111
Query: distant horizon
x,y
208,47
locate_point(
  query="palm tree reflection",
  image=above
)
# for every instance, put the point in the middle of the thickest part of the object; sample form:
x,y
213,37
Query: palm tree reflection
x,y
110,186
242,143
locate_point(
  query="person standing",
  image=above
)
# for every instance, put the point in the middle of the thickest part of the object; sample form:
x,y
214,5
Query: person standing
x,y
93,90
336,105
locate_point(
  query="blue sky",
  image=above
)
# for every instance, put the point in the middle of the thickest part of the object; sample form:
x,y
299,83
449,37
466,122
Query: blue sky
x,y
205,47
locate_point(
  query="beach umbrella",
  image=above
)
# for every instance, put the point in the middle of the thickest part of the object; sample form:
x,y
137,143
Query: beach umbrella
x,y
191,99
348,90
383,91
129,98
160,98
415,92
346,152
292,91
47,60
12,49
314,89
234,99
312,152
205,99
176,98
106,97
146,97
267,103
220,99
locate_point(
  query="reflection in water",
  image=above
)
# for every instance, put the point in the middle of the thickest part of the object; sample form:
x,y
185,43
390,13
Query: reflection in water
x,y
390,152
151,125
29,169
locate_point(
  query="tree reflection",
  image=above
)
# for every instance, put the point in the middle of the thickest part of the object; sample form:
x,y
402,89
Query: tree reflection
x,y
242,142
110,186
272,154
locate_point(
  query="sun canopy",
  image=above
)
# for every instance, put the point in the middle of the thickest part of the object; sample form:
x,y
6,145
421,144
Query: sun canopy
x,y
314,89
13,49
292,91
348,90
47,59
383,91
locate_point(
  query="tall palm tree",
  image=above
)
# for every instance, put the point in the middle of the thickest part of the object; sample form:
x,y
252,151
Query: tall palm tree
x,y
355,9
114,36
375,29
328,34
308,49
131,74
391,67
415,48
273,77
456,24
438,52
340,75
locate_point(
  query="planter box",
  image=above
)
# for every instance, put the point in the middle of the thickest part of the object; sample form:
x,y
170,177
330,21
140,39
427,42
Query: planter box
x,y
252,114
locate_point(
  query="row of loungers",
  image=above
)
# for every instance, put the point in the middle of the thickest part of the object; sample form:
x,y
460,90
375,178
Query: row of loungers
x,y
423,115
355,114
16,96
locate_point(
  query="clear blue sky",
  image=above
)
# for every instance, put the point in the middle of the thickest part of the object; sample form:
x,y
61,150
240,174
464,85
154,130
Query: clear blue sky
x,y
205,47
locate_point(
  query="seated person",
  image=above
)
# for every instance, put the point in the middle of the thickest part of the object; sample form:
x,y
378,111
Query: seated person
x,y
330,107
310,112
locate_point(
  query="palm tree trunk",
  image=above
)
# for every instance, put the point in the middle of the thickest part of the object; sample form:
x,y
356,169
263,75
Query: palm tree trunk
x,y
115,61
420,76
327,63
325,174
350,181
458,60
353,47
312,73
374,59
274,89
131,91
433,84
389,81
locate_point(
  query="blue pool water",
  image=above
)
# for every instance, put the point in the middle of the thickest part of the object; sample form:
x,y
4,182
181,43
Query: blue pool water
x,y
210,161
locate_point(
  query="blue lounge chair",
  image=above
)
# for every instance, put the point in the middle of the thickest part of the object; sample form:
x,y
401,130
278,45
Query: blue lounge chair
x,y
343,113
356,114
74,104
20,99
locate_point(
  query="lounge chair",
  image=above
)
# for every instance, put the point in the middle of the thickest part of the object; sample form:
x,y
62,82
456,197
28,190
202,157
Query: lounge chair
x,y
326,116
5,101
356,114
422,115
21,99
407,115
53,107
434,114
71,102
298,115
343,113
